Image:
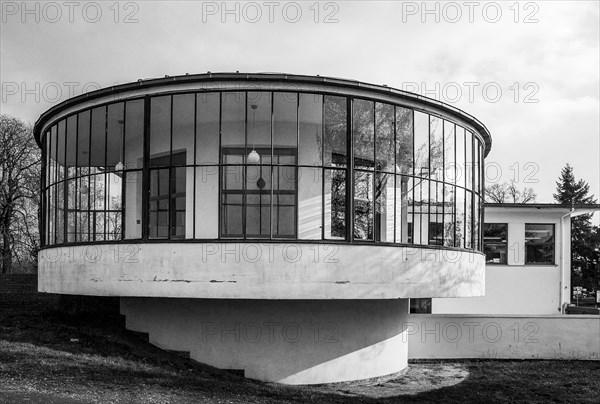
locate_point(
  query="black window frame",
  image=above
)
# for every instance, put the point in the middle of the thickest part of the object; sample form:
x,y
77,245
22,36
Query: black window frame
x,y
546,243
503,244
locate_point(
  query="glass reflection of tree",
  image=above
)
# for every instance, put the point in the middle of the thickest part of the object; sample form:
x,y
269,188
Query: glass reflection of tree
x,y
404,166
335,156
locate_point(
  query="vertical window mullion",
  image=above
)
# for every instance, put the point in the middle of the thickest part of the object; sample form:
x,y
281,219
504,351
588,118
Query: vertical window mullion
x,y
245,167
394,123
123,171
106,169
272,190
194,169
76,213
349,170
296,169
88,182
171,199
322,168
146,170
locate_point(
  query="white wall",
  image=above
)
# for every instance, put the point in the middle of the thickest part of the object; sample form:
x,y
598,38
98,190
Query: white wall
x,y
284,341
503,337
250,270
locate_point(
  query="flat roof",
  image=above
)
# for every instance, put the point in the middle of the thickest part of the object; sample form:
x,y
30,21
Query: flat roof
x,y
593,206
273,77
574,210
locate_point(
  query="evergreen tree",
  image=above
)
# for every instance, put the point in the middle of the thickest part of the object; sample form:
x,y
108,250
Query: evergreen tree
x,y
585,238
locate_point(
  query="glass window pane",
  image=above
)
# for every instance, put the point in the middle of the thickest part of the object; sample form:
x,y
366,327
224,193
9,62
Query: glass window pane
x,y
436,147
98,139
134,134
115,135
70,216
336,133
403,195
114,188
160,130
436,213
180,199
404,141
421,145
52,215
477,166
539,243
232,201
233,109
133,204
310,121
335,204
283,222
384,137
495,242
285,121
259,123
449,153
460,217
60,212
207,130
158,226
310,203
468,220
47,154
460,156
60,150
71,155
114,225
98,226
363,133
363,205
258,201
421,211
476,216
469,159
83,206
207,202
53,157
384,207
183,128
83,142
449,219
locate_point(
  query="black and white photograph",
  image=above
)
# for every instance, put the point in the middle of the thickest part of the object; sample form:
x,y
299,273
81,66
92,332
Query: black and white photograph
x,y
299,201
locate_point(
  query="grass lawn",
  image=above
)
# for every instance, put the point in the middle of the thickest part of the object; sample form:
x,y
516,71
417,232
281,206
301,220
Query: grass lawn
x,y
52,357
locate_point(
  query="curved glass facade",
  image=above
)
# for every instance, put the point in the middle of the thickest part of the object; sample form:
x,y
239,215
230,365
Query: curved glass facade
x,y
261,165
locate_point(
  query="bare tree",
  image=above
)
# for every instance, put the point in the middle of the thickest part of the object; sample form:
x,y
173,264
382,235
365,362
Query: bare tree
x,y
507,192
19,194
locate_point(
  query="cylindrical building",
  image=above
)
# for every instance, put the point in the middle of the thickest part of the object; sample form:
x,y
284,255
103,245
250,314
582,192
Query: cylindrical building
x,y
266,222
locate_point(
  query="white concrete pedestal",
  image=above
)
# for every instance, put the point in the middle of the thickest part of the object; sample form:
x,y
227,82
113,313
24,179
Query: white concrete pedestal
x,y
284,341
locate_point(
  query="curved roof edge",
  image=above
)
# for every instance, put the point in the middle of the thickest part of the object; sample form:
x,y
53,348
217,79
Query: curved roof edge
x,y
277,77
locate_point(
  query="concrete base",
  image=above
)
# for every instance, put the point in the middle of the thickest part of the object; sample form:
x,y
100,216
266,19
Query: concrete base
x,y
284,341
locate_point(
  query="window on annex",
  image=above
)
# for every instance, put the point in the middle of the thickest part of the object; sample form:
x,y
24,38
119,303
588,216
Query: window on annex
x,y
495,244
420,306
539,243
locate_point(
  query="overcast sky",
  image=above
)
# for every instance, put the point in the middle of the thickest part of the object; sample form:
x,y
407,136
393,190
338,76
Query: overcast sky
x,y
529,72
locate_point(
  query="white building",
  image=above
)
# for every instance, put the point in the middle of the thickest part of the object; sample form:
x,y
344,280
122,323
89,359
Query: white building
x,y
528,261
